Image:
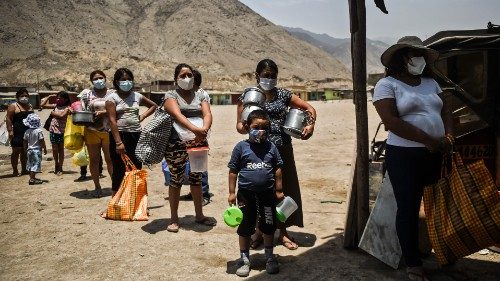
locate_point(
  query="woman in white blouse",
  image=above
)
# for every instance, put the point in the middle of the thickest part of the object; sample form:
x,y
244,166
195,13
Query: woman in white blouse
x,y
413,109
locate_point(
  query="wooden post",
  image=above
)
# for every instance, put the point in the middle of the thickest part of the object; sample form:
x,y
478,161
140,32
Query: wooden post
x,y
358,53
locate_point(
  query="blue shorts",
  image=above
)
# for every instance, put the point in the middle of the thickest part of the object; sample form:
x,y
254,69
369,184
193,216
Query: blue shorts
x,y
34,160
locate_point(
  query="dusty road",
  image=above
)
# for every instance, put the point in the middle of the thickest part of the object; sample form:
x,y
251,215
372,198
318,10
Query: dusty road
x,y
53,231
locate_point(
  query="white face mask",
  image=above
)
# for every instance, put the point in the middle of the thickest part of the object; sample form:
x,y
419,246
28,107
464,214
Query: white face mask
x,y
416,65
186,83
24,100
267,84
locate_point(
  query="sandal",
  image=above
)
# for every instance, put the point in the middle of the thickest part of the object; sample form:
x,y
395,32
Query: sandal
x,y
290,244
97,193
207,221
173,227
416,273
255,243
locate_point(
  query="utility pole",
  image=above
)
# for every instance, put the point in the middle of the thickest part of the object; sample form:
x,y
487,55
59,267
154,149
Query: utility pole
x,y
358,209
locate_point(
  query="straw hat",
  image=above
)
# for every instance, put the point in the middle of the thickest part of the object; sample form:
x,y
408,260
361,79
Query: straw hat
x,y
409,42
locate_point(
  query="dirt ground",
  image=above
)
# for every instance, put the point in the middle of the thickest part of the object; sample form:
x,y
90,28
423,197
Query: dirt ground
x,y
53,231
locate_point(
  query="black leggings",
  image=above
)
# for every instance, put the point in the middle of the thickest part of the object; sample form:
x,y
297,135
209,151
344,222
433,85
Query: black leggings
x,y
410,169
257,204
130,140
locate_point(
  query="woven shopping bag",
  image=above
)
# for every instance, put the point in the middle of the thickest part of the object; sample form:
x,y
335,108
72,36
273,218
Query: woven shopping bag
x,y
154,137
462,211
130,203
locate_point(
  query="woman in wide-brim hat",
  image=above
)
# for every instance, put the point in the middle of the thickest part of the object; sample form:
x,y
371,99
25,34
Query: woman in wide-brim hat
x,y
413,109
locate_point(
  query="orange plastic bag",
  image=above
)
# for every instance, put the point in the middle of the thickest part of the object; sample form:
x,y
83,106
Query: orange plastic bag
x,y
130,203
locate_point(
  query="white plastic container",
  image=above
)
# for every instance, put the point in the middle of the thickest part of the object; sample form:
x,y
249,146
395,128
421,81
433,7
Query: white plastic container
x,y
198,158
285,208
184,133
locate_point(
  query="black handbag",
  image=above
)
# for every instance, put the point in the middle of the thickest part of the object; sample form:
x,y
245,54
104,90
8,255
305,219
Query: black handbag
x,y
46,125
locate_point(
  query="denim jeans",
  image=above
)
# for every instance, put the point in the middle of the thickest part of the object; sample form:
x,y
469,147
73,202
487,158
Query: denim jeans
x,y
205,187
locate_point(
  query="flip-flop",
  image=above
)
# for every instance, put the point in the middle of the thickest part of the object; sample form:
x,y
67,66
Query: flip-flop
x,y
173,227
208,221
290,245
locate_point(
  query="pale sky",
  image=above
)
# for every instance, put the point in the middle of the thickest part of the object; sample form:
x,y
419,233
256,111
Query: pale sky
x,y
422,18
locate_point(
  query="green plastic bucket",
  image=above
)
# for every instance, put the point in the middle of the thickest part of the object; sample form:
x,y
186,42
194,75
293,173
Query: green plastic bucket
x,y
233,216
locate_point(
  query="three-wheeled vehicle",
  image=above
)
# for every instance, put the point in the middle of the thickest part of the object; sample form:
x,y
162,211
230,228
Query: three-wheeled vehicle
x,y
469,67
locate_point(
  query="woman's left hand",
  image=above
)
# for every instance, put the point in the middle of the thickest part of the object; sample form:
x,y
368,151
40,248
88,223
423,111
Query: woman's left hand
x,y
307,132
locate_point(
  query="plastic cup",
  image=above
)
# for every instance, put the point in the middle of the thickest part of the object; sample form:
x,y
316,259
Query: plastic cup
x,y
233,216
198,158
285,208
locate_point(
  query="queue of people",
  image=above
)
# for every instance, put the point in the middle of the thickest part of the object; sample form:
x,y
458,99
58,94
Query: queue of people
x,y
409,102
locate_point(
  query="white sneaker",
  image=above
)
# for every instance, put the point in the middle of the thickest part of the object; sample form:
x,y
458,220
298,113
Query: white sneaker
x,y
243,268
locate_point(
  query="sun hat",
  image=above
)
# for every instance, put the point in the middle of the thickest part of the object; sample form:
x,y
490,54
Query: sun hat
x,y
32,121
408,42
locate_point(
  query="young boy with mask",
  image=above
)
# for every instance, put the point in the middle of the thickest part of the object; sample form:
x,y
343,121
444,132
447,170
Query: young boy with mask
x,y
256,163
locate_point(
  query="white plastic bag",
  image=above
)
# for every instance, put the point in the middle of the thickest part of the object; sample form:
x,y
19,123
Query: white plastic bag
x,y
4,134
185,134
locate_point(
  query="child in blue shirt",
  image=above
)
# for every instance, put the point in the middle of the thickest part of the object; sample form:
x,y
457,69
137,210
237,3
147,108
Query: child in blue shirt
x,y
256,163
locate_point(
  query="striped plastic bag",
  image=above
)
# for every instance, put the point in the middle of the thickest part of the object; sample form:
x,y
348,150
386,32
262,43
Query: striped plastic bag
x,y
130,203
462,211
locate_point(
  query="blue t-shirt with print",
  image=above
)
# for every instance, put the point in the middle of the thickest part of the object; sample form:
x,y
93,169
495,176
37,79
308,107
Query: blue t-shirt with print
x,y
255,164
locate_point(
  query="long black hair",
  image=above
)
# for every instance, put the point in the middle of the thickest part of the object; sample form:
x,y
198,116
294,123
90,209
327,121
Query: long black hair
x,y
119,73
64,95
264,64
20,92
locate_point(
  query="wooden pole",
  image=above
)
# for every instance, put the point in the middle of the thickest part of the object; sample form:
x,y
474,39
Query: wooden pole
x,y
358,53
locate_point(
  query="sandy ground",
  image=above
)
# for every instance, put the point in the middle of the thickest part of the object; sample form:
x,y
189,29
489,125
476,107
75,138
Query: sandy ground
x,y
53,231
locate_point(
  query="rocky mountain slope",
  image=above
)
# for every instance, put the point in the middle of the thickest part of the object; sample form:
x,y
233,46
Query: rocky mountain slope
x,y
340,48
56,40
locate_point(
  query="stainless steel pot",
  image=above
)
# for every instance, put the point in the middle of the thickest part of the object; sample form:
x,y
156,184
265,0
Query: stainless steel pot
x,y
246,111
253,96
84,118
295,122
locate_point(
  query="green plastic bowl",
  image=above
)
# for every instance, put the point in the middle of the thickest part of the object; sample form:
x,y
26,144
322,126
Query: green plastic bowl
x,y
233,216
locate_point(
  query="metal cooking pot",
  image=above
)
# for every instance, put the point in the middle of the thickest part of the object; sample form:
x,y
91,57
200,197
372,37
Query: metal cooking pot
x,y
253,96
84,118
246,111
295,122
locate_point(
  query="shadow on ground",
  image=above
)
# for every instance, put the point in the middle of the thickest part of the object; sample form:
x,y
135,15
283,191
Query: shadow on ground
x,y
186,223
89,194
330,261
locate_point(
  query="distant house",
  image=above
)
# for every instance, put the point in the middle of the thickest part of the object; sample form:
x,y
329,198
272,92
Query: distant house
x,y
162,86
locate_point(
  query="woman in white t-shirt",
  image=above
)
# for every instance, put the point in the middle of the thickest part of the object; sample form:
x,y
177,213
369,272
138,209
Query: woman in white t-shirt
x,y
413,109
125,122
96,136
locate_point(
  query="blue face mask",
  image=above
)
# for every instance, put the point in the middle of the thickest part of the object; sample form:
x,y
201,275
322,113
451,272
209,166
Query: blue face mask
x,y
125,85
257,136
99,84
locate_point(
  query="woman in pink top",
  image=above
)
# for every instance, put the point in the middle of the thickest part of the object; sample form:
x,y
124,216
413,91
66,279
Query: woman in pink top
x,y
59,114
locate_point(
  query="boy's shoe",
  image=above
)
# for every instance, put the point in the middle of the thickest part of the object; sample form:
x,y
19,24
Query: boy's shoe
x,y
35,181
205,201
272,266
187,197
243,268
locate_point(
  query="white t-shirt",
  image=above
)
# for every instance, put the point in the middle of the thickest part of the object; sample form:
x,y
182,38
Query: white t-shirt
x,y
95,103
127,111
418,105
33,136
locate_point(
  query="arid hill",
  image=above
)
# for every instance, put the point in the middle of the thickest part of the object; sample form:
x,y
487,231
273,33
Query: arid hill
x,y
56,40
